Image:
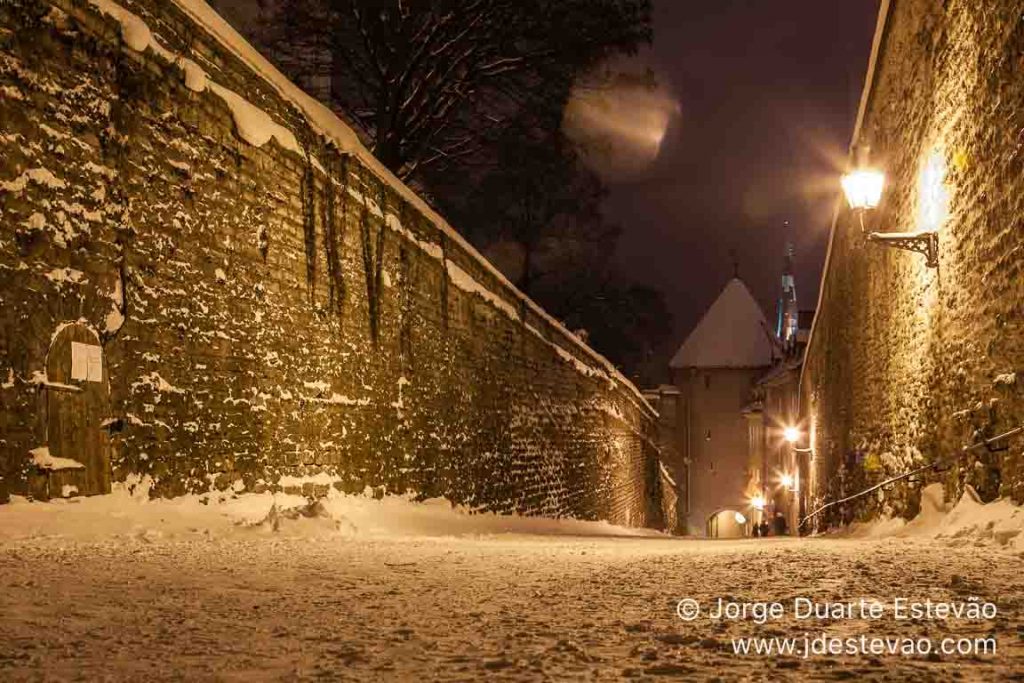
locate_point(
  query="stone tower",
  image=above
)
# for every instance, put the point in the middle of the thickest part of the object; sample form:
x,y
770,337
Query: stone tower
x,y
714,371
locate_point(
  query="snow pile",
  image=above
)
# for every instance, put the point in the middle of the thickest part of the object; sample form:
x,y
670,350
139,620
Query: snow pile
x,y
973,522
39,176
129,512
1007,379
969,522
44,460
932,514
115,317
254,125
196,79
882,527
134,31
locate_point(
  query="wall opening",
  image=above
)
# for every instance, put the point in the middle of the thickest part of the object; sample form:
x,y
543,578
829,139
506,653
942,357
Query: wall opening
x,y
727,524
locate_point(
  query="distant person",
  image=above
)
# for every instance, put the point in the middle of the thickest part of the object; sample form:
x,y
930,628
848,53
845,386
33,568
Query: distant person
x,y
764,528
755,529
781,527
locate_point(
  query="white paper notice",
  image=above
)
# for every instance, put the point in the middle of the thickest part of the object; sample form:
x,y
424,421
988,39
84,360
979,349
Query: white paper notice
x,y
86,362
95,363
79,361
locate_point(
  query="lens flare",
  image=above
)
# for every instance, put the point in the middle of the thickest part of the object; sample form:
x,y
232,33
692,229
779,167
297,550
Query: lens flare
x,y
618,122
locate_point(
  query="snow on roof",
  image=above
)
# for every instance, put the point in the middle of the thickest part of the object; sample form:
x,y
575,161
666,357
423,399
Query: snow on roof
x,y
732,334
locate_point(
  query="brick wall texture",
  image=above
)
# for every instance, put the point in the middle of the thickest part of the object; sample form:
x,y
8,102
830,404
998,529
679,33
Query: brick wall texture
x,y
908,364
283,313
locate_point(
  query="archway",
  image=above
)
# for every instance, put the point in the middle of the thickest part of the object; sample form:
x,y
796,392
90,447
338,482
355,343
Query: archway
x,y
727,523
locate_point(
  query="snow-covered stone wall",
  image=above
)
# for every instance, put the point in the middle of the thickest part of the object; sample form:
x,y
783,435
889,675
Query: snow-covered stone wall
x,y
908,363
270,306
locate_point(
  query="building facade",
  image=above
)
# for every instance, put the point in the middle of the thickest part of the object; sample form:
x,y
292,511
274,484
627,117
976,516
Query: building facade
x,y
724,420
713,373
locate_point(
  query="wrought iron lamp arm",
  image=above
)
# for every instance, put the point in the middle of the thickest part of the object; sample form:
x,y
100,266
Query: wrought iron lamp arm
x,y
926,243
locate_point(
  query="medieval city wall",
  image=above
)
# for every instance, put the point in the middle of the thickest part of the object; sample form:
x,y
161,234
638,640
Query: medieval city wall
x,y
270,306
906,363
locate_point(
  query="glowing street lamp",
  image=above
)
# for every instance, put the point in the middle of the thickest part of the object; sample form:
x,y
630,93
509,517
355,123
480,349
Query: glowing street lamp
x,y
791,434
757,502
787,481
863,189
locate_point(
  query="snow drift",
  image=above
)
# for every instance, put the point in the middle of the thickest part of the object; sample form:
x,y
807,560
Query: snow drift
x,y
129,512
968,522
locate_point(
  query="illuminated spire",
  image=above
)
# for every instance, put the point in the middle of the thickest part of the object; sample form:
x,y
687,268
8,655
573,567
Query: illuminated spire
x,y
787,314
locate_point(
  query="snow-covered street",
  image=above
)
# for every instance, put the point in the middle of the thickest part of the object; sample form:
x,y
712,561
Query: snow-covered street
x,y
172,595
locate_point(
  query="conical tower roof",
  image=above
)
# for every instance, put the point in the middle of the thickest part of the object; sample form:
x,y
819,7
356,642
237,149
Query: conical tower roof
x,y
732,334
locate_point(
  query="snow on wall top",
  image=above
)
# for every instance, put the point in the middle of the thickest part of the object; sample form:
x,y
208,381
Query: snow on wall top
x,y
732,334
326,123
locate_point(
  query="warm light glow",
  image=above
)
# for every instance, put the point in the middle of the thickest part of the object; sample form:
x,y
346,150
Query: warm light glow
x,y
791,434
740,519
786,480
933,197
863,188
757,502
618,121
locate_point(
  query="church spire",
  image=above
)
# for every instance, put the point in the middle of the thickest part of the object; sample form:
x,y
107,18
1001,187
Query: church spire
x,y
787,314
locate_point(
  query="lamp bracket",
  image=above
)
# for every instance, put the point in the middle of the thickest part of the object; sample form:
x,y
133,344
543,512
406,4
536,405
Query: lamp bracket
x,y
926,243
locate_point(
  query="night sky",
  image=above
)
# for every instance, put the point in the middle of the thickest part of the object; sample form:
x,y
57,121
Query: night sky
x,y
768,92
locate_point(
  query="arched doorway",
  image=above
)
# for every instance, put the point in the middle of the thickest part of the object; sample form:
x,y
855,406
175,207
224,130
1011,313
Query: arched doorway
x,y
76,457
727,523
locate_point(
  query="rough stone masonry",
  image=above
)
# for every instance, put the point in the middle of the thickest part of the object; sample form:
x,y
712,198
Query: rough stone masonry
x,y
908,364
205,279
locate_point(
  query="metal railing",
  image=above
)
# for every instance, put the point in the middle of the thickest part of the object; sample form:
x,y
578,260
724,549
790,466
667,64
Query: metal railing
x,y
934,465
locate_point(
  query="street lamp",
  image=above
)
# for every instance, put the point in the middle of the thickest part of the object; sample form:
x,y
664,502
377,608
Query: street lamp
x,y
863,189
793,435
787,481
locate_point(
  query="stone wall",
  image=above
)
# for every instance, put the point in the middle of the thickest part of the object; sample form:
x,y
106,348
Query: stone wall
x,y
671,448
271,307
908,364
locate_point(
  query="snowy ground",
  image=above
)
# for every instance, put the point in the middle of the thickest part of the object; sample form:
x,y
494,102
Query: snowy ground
x,y
114,588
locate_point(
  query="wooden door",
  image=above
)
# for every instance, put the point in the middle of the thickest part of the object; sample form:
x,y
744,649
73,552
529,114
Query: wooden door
x,y
77,403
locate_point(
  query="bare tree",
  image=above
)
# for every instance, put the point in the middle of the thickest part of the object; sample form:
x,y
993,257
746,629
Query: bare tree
x,y
427,81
